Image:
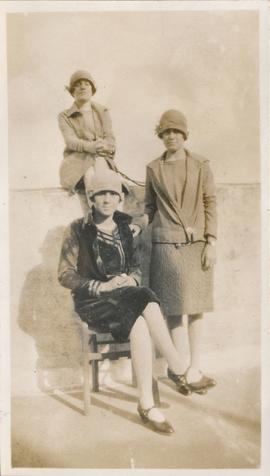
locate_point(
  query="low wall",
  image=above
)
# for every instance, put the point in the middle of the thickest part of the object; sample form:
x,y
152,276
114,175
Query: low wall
x,y
45,340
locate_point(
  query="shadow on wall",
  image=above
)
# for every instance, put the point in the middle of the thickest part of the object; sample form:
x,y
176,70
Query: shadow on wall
x,y
46,314
134,206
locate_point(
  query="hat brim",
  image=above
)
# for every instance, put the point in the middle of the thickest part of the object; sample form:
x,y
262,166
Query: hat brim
x,y
160,134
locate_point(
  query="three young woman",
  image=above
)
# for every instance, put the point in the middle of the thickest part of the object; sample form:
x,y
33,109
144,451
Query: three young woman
x,y
99,261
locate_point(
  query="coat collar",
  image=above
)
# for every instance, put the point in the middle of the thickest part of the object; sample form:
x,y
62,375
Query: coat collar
x,y
73,110
120,218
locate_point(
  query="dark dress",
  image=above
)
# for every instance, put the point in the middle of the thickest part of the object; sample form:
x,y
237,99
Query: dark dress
x,y
117,311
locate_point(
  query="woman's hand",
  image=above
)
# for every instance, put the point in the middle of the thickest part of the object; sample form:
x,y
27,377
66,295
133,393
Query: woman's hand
x,y
96,146
135,229
117,282
126,280
208,256
104,148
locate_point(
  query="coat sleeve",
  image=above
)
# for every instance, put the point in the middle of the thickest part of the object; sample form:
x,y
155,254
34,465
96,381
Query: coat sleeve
x,y
68,275
107,128
209,202
72,141
150,197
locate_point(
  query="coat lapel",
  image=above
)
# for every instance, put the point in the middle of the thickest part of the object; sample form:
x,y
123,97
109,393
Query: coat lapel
x,y
172,207
192,189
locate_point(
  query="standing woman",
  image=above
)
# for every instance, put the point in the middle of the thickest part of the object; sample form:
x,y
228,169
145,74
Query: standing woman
x,y
181,204
87,132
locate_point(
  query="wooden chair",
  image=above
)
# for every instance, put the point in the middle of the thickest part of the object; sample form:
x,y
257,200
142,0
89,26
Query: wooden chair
x,y
92,354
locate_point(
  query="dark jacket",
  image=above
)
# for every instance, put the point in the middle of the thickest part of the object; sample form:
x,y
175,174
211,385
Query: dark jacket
x,y
80,261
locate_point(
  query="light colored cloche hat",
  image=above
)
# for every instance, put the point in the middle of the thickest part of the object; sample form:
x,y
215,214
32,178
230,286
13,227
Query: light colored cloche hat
x,y
81,75
107,181
172,119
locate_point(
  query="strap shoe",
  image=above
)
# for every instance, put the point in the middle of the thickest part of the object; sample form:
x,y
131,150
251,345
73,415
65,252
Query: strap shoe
x,y
163,427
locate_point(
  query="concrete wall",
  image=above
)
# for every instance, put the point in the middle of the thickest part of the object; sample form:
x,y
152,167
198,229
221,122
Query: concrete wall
x,y
46,346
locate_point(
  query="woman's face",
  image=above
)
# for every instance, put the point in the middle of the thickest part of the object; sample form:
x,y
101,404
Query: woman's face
x,y
173,139
106,203
82,91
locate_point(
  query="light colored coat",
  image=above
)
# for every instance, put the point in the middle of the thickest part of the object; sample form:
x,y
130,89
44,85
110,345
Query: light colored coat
x,y
195,217
77,154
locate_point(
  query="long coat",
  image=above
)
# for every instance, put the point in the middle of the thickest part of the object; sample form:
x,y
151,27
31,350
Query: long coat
x,y
77,157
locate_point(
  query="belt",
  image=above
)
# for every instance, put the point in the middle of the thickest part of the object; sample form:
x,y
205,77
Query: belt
x,y
180,245
177,245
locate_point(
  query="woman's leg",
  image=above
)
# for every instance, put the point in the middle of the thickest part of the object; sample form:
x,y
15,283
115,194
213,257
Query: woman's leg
x,y
179,333
142,356
195,331
161,337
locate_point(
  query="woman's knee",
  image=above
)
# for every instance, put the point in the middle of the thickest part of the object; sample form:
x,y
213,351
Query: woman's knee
x,y
152,307
138,326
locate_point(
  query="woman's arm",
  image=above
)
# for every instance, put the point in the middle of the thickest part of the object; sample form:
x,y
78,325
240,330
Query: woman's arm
x,y
210,213
72,142
209,202
68,275
108,135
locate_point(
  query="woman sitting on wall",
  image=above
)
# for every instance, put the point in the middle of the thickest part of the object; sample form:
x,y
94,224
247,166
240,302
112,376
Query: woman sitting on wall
x,y
87,132
99,263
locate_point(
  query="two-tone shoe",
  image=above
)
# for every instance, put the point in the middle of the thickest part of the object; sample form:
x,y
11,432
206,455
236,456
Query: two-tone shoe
x,y
180,381
163,427
202,385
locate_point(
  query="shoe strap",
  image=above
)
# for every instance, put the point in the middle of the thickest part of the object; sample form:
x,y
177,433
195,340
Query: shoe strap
x,y
146,411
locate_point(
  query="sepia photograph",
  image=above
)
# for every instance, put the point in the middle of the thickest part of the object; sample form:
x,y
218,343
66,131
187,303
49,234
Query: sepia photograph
x,y
135,250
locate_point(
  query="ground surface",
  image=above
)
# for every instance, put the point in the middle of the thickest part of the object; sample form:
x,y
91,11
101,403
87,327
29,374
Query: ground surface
x,y
219,430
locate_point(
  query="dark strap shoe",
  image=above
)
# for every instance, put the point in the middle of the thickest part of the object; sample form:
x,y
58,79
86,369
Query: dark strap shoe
x,y
180,381
163,427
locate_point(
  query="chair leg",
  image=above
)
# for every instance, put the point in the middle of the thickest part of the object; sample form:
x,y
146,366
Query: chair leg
x,y
94,364
133,375
86,372
156,392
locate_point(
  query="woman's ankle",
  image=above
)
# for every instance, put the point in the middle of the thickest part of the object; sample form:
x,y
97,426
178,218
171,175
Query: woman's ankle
x,y
146,403
193,374
178,369
153,413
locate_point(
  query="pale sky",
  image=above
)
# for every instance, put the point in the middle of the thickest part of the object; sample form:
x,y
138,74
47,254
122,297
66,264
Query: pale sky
x,y
204,63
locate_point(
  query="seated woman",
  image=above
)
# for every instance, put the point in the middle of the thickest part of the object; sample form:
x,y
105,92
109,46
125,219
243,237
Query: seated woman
x,y
99,263
87,131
